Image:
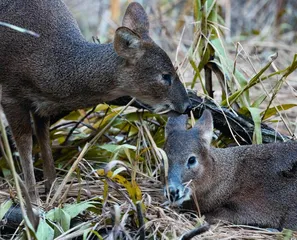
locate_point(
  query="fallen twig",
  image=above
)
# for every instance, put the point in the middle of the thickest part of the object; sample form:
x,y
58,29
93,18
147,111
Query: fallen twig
x,y
199,230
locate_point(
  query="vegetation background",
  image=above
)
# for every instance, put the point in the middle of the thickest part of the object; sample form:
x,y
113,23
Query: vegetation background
x,y
109,159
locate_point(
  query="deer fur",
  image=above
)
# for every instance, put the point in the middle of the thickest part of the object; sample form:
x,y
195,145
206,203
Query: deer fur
x,y
60,71
252,184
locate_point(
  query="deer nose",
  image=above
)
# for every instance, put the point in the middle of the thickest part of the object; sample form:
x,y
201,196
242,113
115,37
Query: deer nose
x,y
188,108
174,193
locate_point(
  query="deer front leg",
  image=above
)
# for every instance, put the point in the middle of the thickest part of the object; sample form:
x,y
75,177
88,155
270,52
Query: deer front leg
x,y
220,214
42,132
246,214
19,120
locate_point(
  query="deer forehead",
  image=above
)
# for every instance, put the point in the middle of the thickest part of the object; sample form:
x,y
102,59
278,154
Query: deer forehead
x,y
182,144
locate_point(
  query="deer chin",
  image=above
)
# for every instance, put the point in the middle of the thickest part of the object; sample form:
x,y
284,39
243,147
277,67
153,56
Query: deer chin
x,y
173,113
159,109
166,109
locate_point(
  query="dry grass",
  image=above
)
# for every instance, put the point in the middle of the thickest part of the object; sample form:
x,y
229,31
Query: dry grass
x,y
160,222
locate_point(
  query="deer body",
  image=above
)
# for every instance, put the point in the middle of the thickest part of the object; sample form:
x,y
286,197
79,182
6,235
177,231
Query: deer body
x,y
254,185
60,71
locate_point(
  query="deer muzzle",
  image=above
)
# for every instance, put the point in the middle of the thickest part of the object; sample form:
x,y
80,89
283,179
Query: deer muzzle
x,y
177,193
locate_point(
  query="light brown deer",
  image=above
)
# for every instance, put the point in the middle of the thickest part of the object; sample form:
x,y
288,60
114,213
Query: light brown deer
x,y
60,71
254,184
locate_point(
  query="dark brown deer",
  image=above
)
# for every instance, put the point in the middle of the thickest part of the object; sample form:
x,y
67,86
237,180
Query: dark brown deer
x,y
254,184
60,71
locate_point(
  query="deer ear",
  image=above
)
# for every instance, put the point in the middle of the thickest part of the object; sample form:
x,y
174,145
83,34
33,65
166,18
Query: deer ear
x,y
128,44
136,19
176,123
205,126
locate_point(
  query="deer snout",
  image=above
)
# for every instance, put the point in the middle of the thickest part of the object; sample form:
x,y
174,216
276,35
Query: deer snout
x,y
175,193
181,108
184,107
188,107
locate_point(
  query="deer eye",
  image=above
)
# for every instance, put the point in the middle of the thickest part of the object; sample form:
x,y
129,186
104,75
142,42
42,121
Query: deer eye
x,y
167,78
192,161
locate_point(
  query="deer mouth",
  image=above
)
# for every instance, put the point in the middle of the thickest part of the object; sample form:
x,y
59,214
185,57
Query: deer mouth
x,y
159,109
173,113
166,110
178,201
185,197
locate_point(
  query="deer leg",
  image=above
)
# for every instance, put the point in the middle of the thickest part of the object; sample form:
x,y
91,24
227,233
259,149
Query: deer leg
x,y
20,123
42,132
246,214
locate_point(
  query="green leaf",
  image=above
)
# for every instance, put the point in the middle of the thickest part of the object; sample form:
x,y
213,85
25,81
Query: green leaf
x,y
274,110
287,234
231,75
118,151
109,147
254,80
61,217
95,233
211,11
197,75
257,135
74,115
65,220
74,209
4,207
204,59
126,146
292,67
259,100
44,231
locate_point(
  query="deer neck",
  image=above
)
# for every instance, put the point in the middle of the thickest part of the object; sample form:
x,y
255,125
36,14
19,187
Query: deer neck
x,y
221,178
